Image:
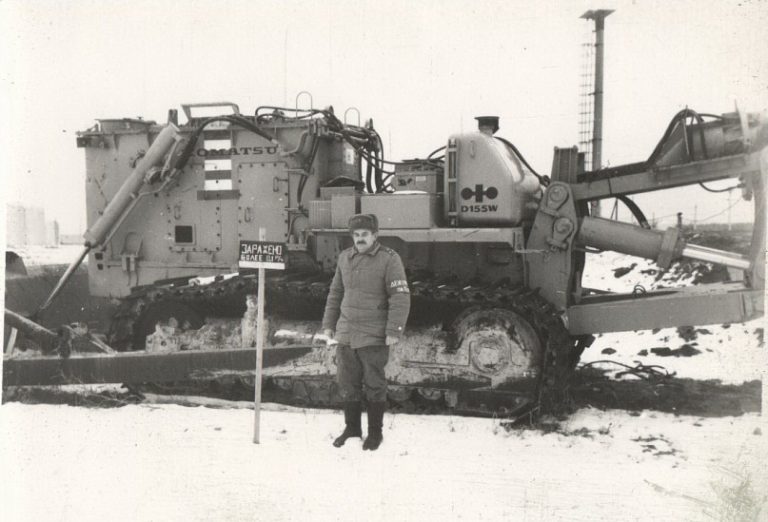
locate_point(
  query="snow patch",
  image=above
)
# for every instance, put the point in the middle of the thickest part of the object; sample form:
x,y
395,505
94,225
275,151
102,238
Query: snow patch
x,y
169,462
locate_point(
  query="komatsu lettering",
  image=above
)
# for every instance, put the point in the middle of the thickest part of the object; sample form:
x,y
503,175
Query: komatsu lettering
x,y
235,151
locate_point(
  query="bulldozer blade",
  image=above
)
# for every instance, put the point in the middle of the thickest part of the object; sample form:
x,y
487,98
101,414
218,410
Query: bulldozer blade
x,y
137,367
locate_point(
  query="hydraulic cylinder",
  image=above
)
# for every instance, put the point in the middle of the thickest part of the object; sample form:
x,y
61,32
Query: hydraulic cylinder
x,y
98,232
663,247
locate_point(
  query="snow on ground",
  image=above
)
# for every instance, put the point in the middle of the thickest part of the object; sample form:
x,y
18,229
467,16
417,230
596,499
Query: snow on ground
x,y
170,462
733,355
601,273
730,353
42,255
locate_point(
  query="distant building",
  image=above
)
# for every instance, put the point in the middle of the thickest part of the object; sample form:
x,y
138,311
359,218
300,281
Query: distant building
x,y
15,226
52,236
35,221
27,226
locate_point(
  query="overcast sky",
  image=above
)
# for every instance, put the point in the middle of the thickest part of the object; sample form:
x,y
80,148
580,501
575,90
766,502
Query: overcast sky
x,y
421,70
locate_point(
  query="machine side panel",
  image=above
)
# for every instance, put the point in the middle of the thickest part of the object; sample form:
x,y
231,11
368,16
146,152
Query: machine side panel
x,y
264,188
234,182
484,263
142,231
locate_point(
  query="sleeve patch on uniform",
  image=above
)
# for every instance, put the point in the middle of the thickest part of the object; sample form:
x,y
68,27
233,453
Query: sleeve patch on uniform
x,y
399,285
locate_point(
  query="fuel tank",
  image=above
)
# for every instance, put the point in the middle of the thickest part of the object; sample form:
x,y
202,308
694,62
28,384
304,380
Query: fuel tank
x,y
487,184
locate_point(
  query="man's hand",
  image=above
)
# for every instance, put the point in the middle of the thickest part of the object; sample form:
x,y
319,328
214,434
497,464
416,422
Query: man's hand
x,y
391,339
325,337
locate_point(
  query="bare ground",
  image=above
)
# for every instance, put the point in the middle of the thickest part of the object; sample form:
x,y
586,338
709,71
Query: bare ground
x,y
589,388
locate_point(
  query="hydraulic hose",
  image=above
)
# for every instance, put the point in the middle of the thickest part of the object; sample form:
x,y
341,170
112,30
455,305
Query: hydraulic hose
x,y
544,180
636,212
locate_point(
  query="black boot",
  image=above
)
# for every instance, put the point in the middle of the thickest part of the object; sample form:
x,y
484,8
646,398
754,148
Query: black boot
x,y
352,413
375,422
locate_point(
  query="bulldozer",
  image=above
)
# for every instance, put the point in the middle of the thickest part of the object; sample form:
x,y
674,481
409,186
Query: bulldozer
x,y
494,251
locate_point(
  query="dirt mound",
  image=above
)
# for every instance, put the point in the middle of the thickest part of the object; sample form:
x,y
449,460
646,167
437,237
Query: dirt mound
x,y
591,387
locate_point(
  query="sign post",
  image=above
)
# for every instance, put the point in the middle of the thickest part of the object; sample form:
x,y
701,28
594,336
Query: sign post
x,y
259,254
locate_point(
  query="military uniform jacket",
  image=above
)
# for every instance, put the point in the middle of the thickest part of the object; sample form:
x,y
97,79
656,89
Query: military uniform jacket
x,y
369,297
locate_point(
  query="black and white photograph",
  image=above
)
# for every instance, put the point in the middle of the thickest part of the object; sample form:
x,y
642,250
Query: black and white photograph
x,y
383,260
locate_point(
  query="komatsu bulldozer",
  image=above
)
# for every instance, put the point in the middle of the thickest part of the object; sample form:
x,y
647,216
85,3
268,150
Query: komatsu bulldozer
x,y
494,251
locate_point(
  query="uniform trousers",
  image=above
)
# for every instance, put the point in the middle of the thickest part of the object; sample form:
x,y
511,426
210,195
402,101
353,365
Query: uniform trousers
x,y
360,372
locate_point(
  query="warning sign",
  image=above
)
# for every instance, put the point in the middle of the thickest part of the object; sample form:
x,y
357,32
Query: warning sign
x,y
262,254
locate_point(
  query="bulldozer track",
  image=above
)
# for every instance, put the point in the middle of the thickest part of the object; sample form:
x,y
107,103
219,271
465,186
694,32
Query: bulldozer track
x,y
298,296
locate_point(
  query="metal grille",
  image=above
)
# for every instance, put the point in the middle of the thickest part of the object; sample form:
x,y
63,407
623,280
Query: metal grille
x,y
587,93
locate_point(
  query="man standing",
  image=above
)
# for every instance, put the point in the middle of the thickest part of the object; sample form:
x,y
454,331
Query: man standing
x,y
367,306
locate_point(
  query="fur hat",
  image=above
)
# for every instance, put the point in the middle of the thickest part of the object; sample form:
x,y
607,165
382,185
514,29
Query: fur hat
x,y
366,221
